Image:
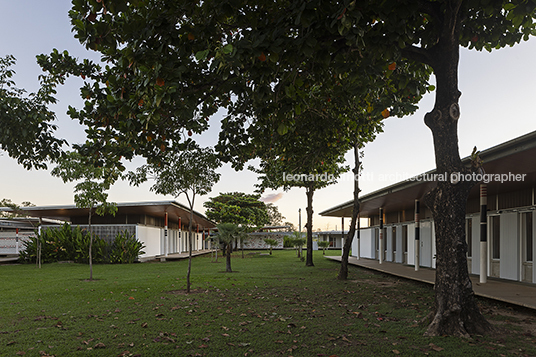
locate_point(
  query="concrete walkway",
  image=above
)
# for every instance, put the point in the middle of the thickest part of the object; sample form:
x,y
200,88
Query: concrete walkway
x,y
512,292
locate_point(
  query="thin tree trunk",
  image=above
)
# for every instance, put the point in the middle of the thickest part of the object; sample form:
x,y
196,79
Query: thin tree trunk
x,y
455,311
228,258
343,272
309,259
90,246
188,283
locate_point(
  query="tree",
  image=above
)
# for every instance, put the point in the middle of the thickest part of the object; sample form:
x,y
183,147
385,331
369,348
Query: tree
x,y
323,244
431,33
272,243
297,240
190,172
26,132
15,208
227,232
90,191
276,218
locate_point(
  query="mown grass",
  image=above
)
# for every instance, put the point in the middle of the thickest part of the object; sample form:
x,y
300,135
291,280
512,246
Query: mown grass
x,y
270,306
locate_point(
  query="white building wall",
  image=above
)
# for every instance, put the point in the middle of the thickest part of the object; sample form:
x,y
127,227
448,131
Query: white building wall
x,y
150,237
509,256
388,243
367,243
426,243
411,244
399,258
475,244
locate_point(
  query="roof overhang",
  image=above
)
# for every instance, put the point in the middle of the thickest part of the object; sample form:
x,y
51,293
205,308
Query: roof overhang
x,y
514,157
157,209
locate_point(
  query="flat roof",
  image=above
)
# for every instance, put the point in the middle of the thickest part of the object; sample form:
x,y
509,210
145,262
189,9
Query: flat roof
x,y
153,208
516,156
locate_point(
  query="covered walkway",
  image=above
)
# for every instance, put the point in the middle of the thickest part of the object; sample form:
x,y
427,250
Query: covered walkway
x,y
512,292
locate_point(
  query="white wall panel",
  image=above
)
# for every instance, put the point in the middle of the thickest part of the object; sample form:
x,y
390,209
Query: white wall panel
x,y
510,263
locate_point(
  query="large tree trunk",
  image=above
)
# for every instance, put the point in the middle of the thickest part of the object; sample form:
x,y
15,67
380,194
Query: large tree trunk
x,y
309,258
343,272
455,311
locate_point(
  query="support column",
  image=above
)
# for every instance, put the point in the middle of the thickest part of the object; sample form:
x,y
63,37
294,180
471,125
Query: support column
x,y
342,236
483,233
380,248
417,235
197,236
166,239
181,238
16,241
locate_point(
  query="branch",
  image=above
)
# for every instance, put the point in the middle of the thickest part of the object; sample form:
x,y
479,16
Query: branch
x,y
417,54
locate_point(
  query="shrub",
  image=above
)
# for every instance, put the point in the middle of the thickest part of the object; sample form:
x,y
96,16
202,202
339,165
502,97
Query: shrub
x,y
125,248
72,244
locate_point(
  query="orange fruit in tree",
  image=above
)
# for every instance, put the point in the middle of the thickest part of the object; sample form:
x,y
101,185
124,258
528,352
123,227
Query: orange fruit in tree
x,y
160,82
385,113
392,66
262,57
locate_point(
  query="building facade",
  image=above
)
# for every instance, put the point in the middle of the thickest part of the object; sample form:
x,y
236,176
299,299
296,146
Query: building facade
x,y
504,248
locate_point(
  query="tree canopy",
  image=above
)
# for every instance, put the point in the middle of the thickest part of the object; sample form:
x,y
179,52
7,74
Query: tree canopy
x,y
26,129
238,208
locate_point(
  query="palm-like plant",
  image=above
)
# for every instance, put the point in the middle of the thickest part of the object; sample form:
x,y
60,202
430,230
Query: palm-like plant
x,y
227,232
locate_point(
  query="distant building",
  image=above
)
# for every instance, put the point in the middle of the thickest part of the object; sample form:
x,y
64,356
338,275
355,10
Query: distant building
x,y
335,238
510,248
161,226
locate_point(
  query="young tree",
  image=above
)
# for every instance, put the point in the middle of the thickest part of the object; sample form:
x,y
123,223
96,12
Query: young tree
x,y
324,244
90,191
191,172
242,209
227,232
272,243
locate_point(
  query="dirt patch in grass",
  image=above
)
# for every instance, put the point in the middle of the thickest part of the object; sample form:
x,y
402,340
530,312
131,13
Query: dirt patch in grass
x,y
183,292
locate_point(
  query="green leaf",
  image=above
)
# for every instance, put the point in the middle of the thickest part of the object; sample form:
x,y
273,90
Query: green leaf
x,y
201,55
282,129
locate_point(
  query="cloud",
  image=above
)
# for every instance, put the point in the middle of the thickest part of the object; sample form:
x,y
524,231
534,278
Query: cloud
x,y
272,197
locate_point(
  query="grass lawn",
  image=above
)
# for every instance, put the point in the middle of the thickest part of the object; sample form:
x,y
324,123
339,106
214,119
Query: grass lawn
x,y
270,306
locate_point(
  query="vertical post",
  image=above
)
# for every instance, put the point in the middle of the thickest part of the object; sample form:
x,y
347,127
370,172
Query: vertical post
x,y
342,236
16,241
197,236
181,238
417,235
483,233
299,221
358,253
39,242
166,240
380,248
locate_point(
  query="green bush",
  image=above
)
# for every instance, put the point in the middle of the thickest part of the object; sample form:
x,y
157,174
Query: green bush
x,y
125,248
72,244
288,242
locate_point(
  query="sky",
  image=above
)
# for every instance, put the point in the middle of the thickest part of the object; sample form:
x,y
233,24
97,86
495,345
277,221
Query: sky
x,y
498,90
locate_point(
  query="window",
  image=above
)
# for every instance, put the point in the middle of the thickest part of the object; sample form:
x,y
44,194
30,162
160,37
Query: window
x,y
469,236
496,237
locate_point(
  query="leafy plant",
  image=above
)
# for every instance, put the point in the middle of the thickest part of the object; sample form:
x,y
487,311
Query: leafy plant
x,y
125,248
324,244
272,243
